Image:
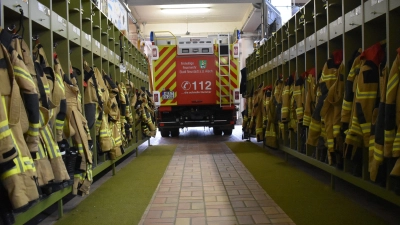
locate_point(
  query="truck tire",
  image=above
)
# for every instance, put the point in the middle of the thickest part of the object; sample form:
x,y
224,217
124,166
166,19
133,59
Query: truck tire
x,y
164,133
228,132
175,132
217,131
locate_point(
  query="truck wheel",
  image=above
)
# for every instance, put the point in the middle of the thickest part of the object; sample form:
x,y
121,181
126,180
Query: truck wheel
x,y
228,132
175,132
164,133
217,131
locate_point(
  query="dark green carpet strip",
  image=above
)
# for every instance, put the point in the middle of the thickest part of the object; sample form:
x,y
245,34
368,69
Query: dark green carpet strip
x,y
305,200
124,197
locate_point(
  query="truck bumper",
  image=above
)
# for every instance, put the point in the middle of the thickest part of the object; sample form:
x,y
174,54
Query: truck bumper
x,y
217,124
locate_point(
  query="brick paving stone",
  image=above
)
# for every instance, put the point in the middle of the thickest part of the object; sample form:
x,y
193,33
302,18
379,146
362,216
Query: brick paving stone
x,y
208,188
196,205
219,188
182,221
197,193
199,221
260,219
190,215
213,212
261,197
159,200
154,214
251,203
152,207
172,200
276,216
163,189
223,198
186,193
168,214
190,189
205,183
249,213
268,202
270,210
247,209
238,204
236,187
245,220
241,198
158,221
227,212
191,198
222,223
220,218
190,211
245,192
218,205
210,198
167,194
184,205
281,220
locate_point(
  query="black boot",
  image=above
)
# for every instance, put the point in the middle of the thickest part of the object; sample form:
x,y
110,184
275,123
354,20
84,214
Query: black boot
x,y
7,218
6,213
396,185
357,162
70,163
339,160
323,153
381,177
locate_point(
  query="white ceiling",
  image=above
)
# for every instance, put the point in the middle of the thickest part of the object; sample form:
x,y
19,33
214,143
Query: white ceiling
x,y
171,2
229,14
149,11
152,14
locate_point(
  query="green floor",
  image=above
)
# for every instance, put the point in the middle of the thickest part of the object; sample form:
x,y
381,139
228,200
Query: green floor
x,y
124,197
305,200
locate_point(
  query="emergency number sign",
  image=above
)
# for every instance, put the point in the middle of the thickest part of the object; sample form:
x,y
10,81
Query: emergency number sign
x,y
196,80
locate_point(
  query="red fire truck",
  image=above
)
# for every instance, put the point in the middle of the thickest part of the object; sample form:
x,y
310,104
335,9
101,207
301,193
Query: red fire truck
x,y
195,83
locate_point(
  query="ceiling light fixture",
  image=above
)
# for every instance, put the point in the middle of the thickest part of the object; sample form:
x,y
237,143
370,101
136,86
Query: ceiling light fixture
x,y
186,10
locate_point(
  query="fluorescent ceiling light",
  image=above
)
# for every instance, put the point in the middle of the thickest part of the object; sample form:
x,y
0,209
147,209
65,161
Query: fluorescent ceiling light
x,y
186,10
186,6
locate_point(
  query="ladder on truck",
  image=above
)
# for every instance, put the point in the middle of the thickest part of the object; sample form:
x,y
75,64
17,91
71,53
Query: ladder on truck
x,y
224,59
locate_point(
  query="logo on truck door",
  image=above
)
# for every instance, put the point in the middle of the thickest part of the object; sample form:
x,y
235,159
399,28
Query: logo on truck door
x,y
186,85
203,64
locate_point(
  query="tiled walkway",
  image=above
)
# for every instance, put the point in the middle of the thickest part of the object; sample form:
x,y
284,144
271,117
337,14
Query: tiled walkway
x,y
205,183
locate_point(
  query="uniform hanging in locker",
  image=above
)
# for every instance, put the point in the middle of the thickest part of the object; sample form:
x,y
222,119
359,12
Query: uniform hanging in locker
x,y
334,96
75,98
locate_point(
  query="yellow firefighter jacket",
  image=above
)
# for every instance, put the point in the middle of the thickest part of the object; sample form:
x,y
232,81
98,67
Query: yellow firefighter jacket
x,y
53,94
330,73
257,112
311,95
392,116
112,109
18,171
103,130
377,138
76,127
366,99
298,98
271,140
62,108
331,111
277,98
